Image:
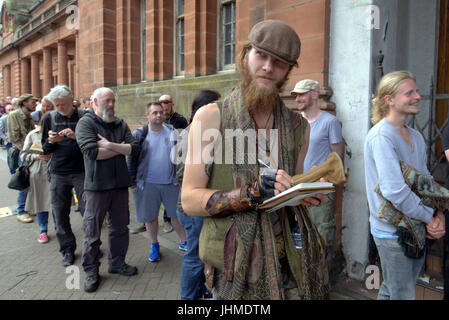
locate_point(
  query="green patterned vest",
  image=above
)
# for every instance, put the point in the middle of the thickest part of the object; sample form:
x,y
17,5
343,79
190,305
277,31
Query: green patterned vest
x,y
234,115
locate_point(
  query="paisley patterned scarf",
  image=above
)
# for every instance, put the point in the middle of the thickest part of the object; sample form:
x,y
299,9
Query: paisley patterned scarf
x,y
412,232
251,267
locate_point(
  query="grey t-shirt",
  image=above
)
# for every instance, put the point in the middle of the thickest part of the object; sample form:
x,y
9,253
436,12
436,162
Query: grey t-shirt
x,y
324,131
384,147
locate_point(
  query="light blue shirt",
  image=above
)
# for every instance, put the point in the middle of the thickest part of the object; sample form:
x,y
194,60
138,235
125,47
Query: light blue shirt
x,y
382,234
161,169
384,148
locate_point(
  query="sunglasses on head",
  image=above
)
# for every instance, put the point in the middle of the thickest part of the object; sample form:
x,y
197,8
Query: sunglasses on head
x,y
165,101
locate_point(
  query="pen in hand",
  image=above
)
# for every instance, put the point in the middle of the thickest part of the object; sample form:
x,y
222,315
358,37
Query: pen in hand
x,y
264,164
267,166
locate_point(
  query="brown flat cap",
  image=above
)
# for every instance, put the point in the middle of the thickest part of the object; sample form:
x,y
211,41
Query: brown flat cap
x,y
276,38
25,97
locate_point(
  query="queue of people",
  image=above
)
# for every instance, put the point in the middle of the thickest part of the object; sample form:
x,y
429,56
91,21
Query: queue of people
x,y
234,249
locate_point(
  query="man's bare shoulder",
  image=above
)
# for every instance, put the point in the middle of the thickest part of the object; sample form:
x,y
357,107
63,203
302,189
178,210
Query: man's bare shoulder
x,y
209,116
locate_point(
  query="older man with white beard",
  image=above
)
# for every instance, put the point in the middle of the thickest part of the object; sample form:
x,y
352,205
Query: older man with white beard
x,y
66,166
105,140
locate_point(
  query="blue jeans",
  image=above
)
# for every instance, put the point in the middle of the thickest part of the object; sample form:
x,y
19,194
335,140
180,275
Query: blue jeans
x,y
192,273
21,200
42,221
398,271
8,146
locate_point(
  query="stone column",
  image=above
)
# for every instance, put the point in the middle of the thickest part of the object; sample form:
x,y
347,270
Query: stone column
x,y
35,75
97,63
63,74
7,81
200,44
159,40
70,76
15,78
25,76
47,71
76,87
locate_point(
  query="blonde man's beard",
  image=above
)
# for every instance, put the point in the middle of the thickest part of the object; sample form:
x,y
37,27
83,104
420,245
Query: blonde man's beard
x,y
256,98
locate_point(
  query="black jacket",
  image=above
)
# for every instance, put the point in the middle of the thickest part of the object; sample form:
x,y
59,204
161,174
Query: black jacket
x,y
102,175
177,121
67,157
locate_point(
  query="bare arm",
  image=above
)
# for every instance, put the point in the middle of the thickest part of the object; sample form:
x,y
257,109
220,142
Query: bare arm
x,y
104,154
339,149
196,198
194,193
318,198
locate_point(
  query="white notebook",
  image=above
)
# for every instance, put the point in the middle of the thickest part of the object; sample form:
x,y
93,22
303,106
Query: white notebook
x,y
296,193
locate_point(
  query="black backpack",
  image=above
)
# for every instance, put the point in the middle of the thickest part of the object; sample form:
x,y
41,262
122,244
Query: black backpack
x,y
144,134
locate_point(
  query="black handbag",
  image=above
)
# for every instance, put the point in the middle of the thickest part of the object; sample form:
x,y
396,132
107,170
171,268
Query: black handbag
x,y
21,179
13,158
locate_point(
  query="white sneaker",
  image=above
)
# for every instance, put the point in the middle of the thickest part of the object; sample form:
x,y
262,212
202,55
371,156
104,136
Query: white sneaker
x,y
167,227
25,218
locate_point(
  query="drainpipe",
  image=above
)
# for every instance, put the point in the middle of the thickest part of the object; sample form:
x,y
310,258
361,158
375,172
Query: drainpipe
x,y
380,67
429,145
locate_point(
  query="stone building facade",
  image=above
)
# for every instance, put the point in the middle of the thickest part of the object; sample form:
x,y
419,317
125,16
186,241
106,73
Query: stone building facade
x,y
144,48
37,49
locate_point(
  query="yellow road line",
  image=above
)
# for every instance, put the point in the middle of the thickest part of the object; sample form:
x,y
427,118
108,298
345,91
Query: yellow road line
x,y
5,212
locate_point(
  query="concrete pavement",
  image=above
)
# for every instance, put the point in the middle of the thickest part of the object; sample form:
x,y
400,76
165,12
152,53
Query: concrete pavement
x,y
29,270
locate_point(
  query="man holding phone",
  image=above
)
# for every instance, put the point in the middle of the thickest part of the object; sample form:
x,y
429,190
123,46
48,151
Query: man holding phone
x,y
66,167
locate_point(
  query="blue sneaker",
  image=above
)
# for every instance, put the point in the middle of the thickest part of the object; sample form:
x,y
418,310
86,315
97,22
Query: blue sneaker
x,y
154,252
183,246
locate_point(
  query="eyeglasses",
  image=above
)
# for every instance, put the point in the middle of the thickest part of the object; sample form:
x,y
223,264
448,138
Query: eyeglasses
x,y
165,101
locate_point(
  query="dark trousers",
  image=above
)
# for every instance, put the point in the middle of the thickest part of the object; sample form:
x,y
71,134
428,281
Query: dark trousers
x,y
166,218
98,203
61,201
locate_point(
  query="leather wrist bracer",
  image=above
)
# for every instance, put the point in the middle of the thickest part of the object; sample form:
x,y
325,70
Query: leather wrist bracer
x,y
224,203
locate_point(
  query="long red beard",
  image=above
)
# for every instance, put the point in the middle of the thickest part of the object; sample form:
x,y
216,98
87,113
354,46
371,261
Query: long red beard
x,y
259,99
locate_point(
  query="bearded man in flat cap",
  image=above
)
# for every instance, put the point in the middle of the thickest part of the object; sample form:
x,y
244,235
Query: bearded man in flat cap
x,y
250,253
19,124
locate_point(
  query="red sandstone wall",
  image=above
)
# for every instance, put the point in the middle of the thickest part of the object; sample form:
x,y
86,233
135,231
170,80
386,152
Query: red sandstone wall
x,y
310,19
106,48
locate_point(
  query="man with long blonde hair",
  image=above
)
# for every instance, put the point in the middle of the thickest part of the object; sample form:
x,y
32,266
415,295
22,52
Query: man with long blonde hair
x,y
387,143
